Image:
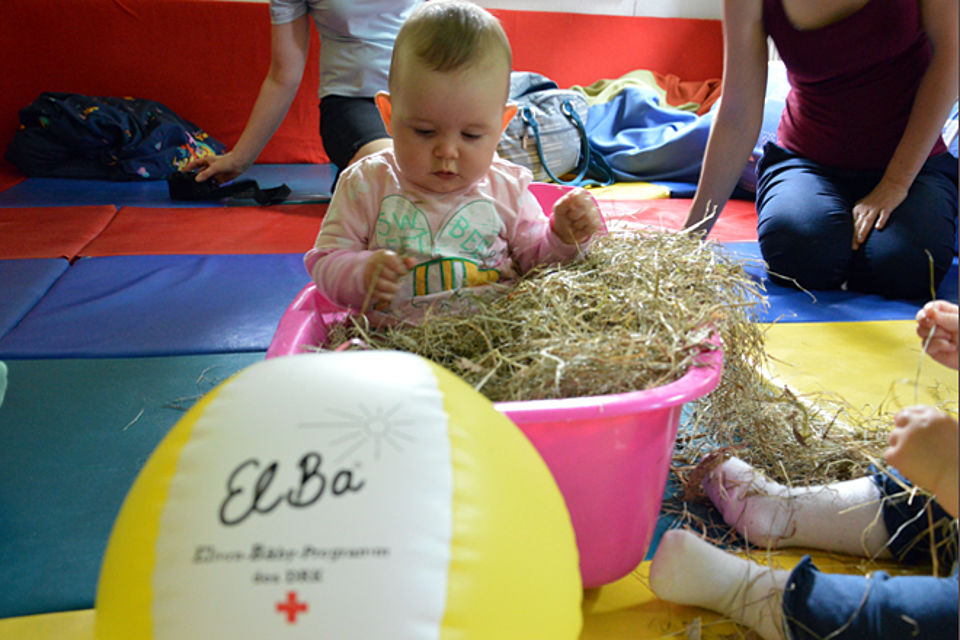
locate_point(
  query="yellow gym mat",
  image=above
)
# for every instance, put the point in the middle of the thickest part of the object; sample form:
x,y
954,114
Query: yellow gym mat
x,y
871,365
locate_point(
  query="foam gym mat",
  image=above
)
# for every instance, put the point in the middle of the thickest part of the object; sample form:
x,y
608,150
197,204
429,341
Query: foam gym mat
x,y
788,304
737,224
310,182
50,232
128,306
870,364
26,281
120,308
279,228
77,432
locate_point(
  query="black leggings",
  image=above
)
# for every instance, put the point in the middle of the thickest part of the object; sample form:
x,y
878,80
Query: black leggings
x,y
346,124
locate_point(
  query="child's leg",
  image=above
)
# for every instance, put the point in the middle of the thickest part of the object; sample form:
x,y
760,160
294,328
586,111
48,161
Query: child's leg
x,y
813,605
688,570
875,607
843,516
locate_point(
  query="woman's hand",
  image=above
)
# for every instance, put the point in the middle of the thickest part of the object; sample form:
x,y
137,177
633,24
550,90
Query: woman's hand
x,y
224,168
873,211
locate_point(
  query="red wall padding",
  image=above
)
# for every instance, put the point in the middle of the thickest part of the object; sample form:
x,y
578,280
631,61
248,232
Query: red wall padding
x,y
203,59
579,48
206,59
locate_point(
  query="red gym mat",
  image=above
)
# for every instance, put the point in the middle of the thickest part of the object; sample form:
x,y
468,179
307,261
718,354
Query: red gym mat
x,y
209,230
50,232
737,223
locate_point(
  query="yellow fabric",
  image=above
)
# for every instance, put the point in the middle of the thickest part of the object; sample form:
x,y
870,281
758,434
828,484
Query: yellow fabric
x,y
870,365
603,91
631,191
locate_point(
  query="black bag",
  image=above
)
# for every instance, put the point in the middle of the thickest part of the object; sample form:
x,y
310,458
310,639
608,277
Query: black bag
x,y
68,135
184,186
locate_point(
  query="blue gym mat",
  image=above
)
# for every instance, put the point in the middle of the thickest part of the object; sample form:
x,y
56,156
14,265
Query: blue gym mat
x,y
25,282
74,434
125,306
303,179
786,304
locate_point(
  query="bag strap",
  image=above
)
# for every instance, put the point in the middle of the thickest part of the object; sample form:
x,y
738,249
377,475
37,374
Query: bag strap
x,y
588,161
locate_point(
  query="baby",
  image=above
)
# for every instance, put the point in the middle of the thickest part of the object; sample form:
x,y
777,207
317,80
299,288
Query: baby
x,y
439,212
871,516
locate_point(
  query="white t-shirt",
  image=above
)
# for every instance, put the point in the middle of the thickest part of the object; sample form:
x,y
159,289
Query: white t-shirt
x,y
356,40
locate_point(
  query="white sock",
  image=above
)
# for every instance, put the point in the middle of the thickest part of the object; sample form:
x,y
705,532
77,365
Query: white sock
x,y
843,517
688,570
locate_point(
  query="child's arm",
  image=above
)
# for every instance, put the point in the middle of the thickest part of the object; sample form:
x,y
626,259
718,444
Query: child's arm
x,y
924,447
940,317
576,217
338,263
531,237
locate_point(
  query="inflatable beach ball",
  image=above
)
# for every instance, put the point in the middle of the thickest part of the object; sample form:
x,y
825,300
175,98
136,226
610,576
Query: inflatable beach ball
x,y
365,495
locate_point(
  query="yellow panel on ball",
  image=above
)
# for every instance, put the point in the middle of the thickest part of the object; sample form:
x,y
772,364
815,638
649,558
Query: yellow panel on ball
x,y
509,520
342,495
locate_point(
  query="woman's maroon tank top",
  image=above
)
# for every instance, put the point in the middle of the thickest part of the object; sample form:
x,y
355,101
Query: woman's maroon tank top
x,y
852,82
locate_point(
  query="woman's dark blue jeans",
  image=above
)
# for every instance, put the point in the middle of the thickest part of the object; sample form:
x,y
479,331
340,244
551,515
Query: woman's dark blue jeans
x,y
805,227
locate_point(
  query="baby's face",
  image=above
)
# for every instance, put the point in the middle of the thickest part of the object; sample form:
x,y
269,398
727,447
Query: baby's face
x,y
446,125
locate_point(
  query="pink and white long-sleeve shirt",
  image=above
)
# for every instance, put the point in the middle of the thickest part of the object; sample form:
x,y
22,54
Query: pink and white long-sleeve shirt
x,y
489,233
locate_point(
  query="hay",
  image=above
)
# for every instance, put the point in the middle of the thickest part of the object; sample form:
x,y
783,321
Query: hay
x,y
633,314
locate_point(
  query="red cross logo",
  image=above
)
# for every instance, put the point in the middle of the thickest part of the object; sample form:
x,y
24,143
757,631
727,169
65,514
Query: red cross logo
x,y
291,607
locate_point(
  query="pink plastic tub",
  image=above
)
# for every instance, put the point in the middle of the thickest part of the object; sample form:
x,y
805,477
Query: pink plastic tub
x,y
609,455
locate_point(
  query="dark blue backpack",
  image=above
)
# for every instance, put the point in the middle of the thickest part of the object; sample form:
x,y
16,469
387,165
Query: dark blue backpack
x,y
68,135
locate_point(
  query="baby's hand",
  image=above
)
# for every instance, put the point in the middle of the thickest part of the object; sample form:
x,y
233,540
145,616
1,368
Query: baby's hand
x,y
576,217
382,273
923,446
940,317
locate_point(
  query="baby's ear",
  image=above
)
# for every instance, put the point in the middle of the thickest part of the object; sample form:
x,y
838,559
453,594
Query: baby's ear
x,y
509,111
383,104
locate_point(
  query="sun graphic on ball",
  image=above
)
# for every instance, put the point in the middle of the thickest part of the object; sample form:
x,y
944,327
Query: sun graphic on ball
x,y
375,426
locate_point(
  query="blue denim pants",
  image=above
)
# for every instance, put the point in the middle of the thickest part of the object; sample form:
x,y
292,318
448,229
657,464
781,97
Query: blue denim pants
x,y
805,227
846,607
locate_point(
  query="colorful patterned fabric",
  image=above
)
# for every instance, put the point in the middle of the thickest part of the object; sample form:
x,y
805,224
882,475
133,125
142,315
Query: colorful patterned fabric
x,y
68,135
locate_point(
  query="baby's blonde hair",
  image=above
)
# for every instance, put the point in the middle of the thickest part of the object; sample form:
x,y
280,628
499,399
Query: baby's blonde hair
x,y
446,35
